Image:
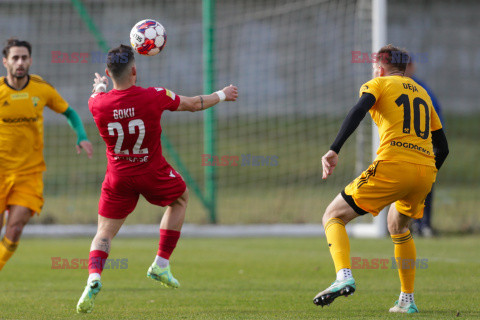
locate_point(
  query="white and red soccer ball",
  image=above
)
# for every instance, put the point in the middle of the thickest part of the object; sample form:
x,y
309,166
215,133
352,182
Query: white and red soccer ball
x,y
148,37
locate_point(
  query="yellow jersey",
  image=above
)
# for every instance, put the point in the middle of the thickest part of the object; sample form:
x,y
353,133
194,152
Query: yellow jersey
x,y
405,117
21,124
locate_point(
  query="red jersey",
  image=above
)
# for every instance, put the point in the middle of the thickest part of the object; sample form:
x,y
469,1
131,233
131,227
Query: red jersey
x,y
129,123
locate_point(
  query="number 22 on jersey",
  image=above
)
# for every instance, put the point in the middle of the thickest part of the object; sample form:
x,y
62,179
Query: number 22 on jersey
x,y
132,125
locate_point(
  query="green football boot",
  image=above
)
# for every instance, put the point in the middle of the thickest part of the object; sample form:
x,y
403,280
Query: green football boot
x,y
404,307
336,289
163,275
87,300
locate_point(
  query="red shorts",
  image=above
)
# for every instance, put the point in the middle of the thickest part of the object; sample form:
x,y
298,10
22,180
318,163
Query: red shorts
x,y
120,193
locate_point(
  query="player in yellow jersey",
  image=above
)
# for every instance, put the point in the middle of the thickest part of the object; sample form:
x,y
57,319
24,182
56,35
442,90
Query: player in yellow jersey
x,y
412,148
22,99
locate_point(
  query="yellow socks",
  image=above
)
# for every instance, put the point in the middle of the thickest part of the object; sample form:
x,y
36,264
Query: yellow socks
x,y
405,252
338,243
405,255
7,248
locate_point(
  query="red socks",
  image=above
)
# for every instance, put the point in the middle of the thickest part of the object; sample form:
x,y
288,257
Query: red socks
x,y
96,261
168,242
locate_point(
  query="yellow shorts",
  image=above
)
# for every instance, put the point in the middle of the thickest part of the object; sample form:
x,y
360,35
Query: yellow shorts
x,y
23,190
385,182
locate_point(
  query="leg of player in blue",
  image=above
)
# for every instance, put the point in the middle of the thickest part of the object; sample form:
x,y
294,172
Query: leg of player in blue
x,y
2,220
426,222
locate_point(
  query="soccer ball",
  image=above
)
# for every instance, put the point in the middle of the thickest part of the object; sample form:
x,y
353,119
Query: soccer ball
x,y
148,37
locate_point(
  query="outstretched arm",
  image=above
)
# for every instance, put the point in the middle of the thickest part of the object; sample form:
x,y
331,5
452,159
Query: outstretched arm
x,y
351,122
204,102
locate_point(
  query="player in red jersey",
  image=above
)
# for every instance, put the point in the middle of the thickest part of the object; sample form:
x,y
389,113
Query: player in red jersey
x,y
128,119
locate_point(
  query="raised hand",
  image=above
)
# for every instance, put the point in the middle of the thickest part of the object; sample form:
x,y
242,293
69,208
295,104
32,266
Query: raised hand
x,y
231,93
97,80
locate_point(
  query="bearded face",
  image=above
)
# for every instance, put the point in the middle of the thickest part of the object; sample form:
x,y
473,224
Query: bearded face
x,y
18,62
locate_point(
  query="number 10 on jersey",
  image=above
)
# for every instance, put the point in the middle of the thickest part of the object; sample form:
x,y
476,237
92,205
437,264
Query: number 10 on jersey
x,y
417,102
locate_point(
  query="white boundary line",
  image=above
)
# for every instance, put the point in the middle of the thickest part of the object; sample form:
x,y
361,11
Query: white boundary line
x,y
200,231
188,230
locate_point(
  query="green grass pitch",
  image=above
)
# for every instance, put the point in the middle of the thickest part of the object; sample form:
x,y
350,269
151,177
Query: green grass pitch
x,y
253,278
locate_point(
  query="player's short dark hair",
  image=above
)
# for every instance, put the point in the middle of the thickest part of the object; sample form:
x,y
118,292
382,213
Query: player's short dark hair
x,y
394,57
119,59
12,42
